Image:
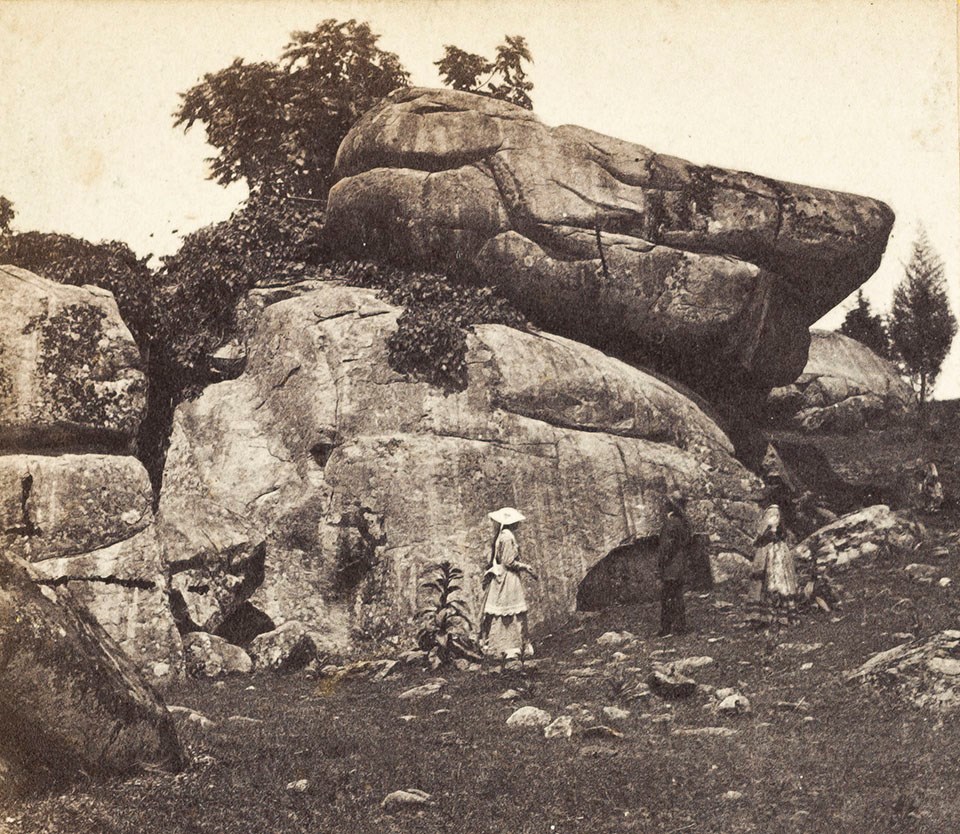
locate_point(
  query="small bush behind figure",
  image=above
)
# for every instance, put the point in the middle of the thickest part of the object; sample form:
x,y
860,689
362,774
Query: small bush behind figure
x,y
445,630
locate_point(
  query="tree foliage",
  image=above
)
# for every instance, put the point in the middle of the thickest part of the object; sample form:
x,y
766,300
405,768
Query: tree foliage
x,y
6,214
866,327
922,325
504,78
278,125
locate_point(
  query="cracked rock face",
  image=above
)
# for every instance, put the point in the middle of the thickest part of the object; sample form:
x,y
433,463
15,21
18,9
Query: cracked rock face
x,y
845,386
710,275
73,501
356,480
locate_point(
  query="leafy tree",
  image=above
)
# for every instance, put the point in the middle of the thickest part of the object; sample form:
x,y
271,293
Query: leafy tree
x,y
922,326
6,215
278,125
506,79
866,327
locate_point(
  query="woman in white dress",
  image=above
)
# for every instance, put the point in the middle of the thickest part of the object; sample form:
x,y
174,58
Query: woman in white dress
x,y
773,587
503,630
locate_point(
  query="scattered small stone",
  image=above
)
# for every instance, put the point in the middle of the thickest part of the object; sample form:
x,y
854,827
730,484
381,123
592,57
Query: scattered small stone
x,y
714,639
722,605
413,656
903,635
725,692
661,719
669,684
662,652
387,668
431,687
806,667
560,727
735,704
597,751
407,717
685,664
919,572
732,796
441,712
723,732
945,582
510,695
529,717
601,731
330,670
615,638
192,716
619,657
940,552
243,719
802,648
616,713
411,798
461,664
579,652
300,786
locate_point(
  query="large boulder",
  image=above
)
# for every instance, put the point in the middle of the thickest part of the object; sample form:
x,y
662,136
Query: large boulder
x,y
713,276
872,531
844,387
354,479
70,373
925,671
70,701
73,500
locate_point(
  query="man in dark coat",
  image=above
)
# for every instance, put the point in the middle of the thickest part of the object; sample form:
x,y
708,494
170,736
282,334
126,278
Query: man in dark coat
x,y
676,537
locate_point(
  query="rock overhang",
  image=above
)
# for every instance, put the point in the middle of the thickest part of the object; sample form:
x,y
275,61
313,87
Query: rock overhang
x,y
687,268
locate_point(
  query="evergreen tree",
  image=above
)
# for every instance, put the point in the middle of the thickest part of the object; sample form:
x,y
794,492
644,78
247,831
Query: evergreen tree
x,y
922,325
866,327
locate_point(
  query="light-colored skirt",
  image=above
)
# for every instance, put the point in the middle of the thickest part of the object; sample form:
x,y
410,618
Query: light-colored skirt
x,y
507,637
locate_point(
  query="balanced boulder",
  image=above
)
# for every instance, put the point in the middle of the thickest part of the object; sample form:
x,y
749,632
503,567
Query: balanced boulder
x,y
710,275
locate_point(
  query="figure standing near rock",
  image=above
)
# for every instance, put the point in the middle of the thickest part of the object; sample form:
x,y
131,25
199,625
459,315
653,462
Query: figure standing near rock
x,y
676,537
773,588
931,489
503,630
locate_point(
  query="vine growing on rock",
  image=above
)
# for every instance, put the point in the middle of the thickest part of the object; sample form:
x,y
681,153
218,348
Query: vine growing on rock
x,y
430,343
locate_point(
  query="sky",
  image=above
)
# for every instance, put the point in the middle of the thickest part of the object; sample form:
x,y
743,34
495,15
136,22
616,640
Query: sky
x,y
854,95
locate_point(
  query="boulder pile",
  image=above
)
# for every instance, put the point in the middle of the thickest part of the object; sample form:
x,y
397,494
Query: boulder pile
x,y
74,502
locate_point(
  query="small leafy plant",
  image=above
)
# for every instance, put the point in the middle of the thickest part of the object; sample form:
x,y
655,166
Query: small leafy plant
x,y
445,630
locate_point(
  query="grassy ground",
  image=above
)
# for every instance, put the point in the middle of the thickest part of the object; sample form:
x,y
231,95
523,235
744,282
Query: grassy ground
x,y
847,759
